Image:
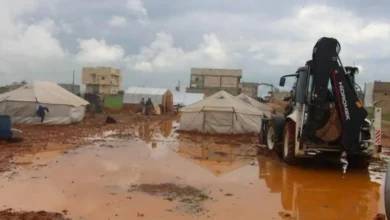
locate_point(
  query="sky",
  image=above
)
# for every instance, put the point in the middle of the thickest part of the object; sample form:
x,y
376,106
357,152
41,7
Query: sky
x,y
155,43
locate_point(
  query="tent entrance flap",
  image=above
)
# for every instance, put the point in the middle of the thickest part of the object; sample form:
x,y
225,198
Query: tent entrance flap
x,y
218,122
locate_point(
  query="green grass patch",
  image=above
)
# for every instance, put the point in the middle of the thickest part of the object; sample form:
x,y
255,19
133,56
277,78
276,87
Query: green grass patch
x,y
113,101
386,117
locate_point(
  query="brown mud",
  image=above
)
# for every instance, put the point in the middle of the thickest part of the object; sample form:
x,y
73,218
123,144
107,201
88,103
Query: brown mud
x,y
161,174
10,214
55,138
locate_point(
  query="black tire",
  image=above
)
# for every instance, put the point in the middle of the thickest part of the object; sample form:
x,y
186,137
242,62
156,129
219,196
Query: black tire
x,y
272,138
289,143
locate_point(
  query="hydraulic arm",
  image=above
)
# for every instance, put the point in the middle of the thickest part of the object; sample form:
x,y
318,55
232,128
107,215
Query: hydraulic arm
x,y
326,67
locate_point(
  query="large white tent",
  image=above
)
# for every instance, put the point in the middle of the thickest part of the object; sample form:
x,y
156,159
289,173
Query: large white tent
x,y
221,113
159,96
267,110
133,95
185,98
21,104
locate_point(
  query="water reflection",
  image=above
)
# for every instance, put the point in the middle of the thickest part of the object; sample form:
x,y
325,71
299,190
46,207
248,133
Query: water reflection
x,y
145,132
321,193
218,157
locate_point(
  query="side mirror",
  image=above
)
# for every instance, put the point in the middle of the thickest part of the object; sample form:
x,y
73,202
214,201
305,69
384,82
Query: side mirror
x,y
282,81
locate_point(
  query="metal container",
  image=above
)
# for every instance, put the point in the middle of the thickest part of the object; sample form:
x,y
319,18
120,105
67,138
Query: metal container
x,y
5,127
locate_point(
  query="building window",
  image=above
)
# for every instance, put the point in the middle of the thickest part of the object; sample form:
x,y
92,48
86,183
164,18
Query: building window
x,y
197,79
103,78
385,93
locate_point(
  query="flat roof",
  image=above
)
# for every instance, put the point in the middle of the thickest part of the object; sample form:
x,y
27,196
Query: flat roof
x,y
216,72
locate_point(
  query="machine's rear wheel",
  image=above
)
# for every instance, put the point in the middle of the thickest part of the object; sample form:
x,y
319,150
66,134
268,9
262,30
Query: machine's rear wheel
x,y
289,143
270,138
272,141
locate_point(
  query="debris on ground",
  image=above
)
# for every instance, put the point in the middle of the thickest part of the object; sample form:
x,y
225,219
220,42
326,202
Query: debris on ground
x,y
380,216
10,214
110,120
191,197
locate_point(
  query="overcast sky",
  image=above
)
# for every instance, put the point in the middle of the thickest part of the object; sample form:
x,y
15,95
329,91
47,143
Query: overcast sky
x,y
156,42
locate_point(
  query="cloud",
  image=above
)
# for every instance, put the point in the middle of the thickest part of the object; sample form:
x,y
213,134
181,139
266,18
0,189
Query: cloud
x,y
33,41
163,55
28,48
98,51
137,9
359,39
117,21
50,38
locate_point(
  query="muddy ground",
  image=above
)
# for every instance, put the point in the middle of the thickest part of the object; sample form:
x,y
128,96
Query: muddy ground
x,y
139,169
10,214
48,138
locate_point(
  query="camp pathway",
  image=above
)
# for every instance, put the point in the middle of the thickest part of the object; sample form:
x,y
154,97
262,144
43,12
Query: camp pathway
x,y
167,177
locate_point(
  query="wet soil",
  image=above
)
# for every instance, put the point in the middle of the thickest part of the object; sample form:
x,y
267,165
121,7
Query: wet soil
x,y
54,138
161,174
191,198
10,214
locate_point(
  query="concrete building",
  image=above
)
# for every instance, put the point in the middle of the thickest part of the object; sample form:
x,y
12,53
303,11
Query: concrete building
x,y
209,81
70,87
279,95
249,88
102,80
381,95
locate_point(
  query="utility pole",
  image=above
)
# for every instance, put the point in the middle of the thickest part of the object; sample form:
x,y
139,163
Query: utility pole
x,y
73,83
177,88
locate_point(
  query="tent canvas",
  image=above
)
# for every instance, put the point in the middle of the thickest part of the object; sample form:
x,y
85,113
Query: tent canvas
x,y
221,113
185,98
133,95
267,110
21,104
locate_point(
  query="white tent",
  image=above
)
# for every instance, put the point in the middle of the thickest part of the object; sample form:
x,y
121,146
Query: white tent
x,y
267,110
133,95
221,113
185,98
21,104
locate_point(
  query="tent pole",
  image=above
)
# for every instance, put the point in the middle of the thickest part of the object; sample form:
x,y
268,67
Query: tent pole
x,y
204,119
234,112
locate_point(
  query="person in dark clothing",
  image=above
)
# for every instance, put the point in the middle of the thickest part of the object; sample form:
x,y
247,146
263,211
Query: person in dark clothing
x,y
41,112
148,107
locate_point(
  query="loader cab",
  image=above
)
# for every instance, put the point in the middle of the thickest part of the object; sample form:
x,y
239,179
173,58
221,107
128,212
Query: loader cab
x,y
351,72
300,88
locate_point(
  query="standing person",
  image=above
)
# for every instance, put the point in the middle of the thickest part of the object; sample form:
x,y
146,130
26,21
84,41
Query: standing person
x,y
142,106
41,112
92,109
149,107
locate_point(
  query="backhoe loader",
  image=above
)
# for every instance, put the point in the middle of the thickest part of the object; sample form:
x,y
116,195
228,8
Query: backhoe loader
x,y
324,115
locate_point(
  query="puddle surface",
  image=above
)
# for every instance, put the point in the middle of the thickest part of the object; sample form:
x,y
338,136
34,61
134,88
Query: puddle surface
x,y
96,182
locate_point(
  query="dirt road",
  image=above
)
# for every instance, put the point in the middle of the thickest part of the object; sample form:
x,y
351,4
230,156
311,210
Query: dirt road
x,y
160,174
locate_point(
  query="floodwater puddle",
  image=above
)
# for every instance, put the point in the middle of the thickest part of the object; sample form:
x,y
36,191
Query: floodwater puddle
x,y
165,175
322,193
